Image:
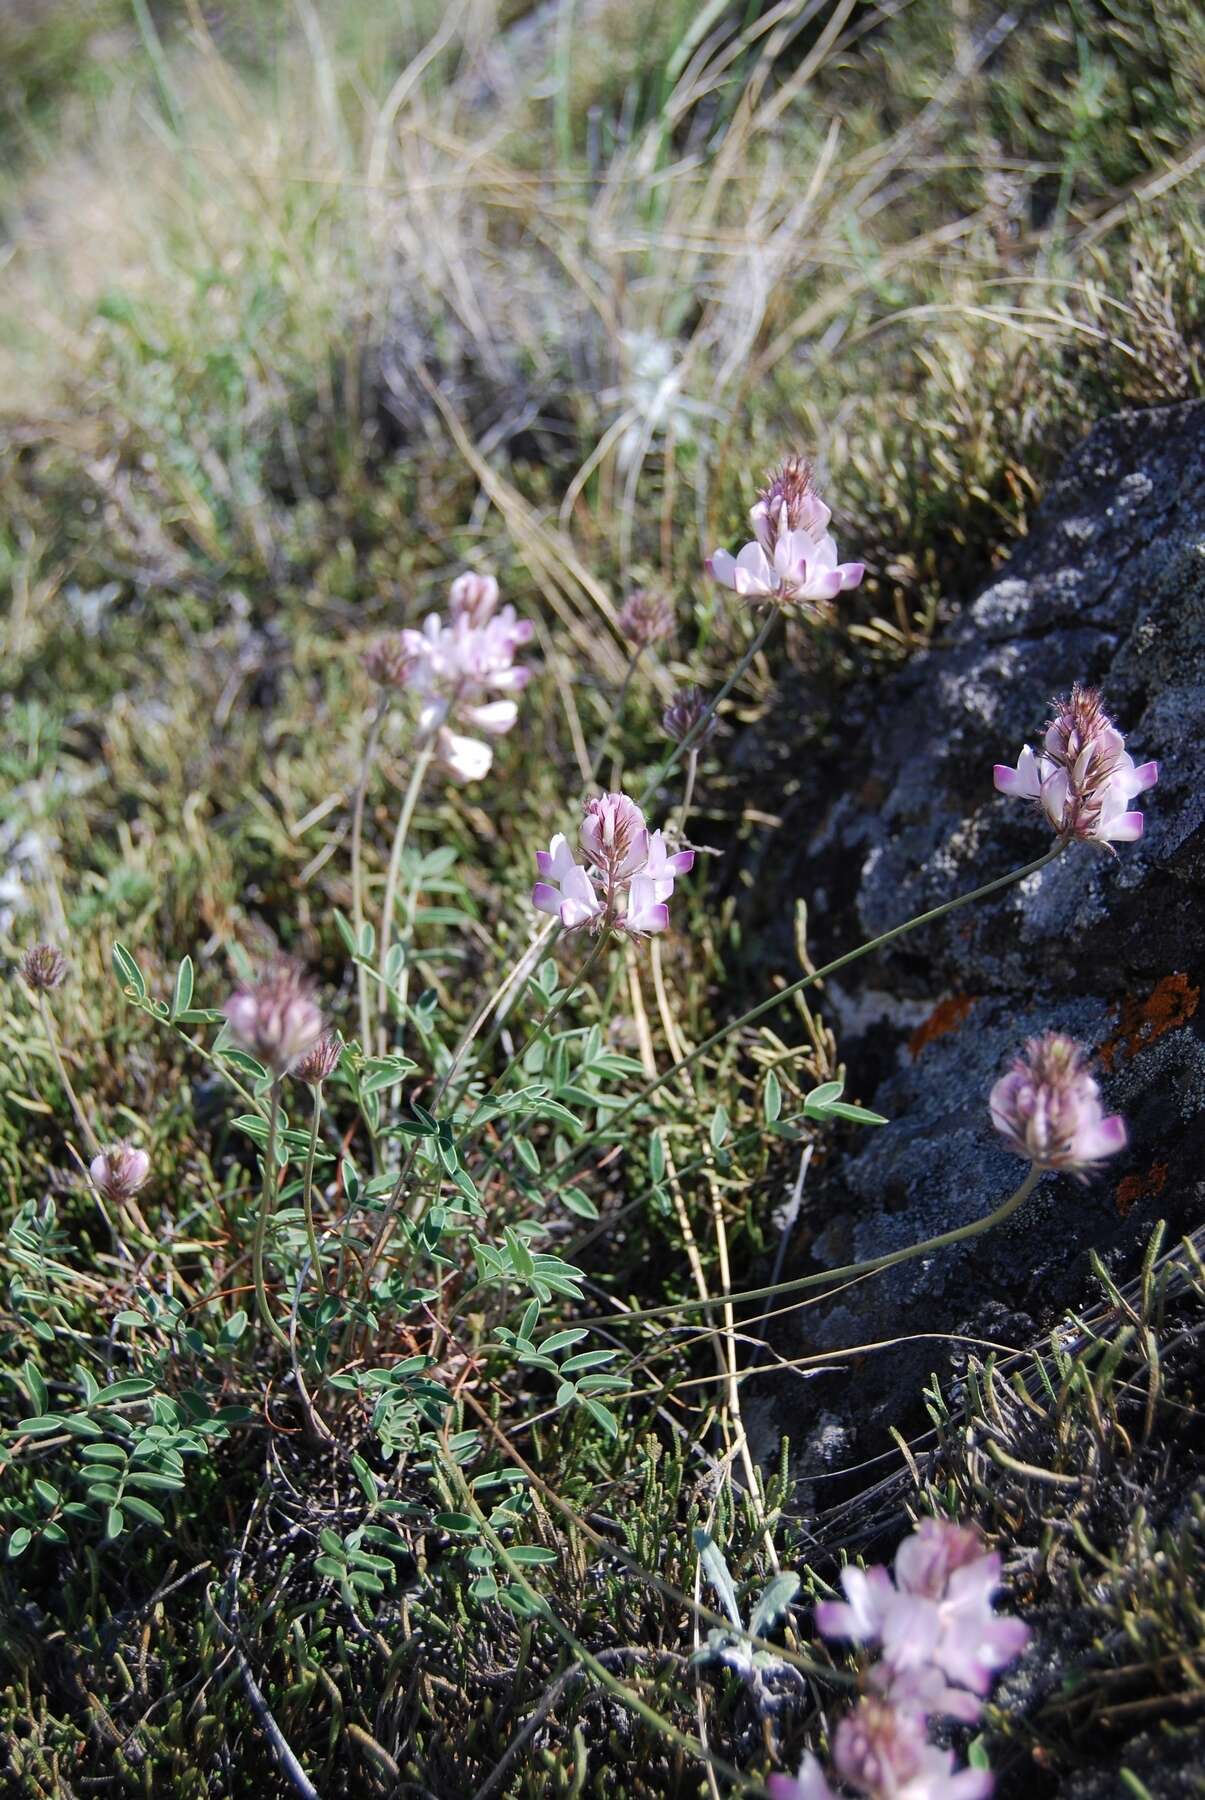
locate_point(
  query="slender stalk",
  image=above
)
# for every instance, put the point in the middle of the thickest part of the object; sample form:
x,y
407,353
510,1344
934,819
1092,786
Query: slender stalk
x,y
308,1185
872,1266
511,981
422,763
680,750
549,1014
90,1137
688,792
613,718
807,981
357,863
261,1218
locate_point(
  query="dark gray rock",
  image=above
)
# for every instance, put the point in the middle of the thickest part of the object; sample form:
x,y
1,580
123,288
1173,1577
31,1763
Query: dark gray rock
x,y
1109,588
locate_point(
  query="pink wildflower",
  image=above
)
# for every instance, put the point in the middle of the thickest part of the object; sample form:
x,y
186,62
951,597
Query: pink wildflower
x,y
275,1017
645,617
1084,779
120,1171
628,876
881,1752
459,667
1048,1108
793,559
938,1613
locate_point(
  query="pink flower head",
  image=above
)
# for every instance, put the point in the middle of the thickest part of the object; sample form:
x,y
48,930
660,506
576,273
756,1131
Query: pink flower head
x,y
1084,779
459,666
645,617
1048,1108
614,835
628,876
937,1615
880,1752
120,1171
793,558
275,1017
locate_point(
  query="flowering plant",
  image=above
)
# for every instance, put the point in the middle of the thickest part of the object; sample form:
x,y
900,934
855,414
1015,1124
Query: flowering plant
x,y
626,880
1083,779
793,557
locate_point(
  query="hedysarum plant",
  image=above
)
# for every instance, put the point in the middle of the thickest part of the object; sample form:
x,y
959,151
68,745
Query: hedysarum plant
x,y
1048,1109
792,560
1083,779
627,878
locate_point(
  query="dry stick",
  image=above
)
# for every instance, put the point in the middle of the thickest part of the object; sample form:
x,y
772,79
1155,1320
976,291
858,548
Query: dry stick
x,y
568,1163
422,763
357,869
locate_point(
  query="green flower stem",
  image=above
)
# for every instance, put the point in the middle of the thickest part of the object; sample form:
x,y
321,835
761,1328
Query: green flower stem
x,y
357,863
680,750
308,1185
81,1119
422,763
850,1271
807,981
261,1218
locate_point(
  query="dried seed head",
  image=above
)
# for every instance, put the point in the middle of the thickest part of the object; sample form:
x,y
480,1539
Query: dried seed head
x,y
683,714
43,967
319,1062
275,1017
120,1171
389,661
645,618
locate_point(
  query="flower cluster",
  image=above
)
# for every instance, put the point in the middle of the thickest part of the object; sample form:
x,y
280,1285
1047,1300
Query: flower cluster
x,y
120,1171
1083,780
645,618
1048,1109
793,559
626,880
457,666
276,1017
43,968
940,1646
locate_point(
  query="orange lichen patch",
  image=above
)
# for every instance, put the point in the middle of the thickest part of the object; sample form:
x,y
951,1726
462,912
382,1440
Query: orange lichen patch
x,y
1141,1187
946,1016
1141,1022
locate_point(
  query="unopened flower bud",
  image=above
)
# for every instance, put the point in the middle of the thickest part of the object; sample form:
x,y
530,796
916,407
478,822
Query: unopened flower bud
x,y
645,618
474,598
683,714
320,1061
389,661
43,967
275,1018
120,1171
